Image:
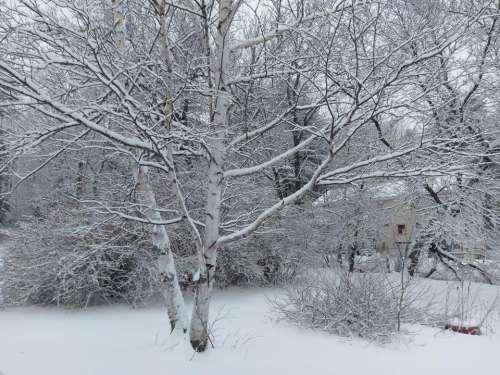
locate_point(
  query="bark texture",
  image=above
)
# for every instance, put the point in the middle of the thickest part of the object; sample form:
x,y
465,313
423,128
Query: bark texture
x,y
170,287
199,335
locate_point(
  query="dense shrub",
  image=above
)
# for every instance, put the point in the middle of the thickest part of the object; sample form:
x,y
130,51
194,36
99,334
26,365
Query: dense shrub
x,y
67,259
348,304
262,259
237,265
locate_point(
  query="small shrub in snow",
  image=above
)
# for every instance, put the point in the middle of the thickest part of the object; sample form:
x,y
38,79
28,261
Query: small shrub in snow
x,y
347,304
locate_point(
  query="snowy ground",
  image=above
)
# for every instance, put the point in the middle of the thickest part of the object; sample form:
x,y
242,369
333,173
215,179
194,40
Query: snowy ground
x,y
117,340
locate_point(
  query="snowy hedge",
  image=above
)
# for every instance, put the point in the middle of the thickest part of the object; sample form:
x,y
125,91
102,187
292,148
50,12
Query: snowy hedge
x,y
71,259
66,259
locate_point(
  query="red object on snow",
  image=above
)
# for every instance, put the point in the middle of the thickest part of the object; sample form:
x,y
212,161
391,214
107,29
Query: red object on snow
x,y
462,329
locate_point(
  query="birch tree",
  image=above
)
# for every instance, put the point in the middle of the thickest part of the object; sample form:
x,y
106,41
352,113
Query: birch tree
x,y
175,301
353,99
168,275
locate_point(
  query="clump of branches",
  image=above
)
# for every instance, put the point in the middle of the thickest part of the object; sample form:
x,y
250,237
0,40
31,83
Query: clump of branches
x,y
71,260
349,305
238,268
262,259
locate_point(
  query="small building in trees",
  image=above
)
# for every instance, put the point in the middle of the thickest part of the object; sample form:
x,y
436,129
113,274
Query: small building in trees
x,y
398,224
404,218
415,223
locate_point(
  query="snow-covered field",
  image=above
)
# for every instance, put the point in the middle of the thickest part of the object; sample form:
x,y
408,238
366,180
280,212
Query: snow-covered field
x,y
117,340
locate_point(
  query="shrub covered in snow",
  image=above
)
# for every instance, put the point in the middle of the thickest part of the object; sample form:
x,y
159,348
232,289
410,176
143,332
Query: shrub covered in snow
x,y
68,259
348,304
258,260
237,267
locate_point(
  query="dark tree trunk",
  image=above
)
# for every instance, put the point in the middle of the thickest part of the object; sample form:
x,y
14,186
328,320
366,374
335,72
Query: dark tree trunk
x,y
4,202
79,180
352,256
413,262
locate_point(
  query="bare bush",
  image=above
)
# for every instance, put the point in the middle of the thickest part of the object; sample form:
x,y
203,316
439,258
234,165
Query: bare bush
x,y
347,304
238,268
72,261
263,259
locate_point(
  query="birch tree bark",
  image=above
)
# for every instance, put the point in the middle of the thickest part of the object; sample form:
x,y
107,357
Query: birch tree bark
x,y
176,308
170,287
218,123
4,203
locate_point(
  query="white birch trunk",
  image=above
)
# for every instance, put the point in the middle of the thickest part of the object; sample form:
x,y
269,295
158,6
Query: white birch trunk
x,y
199,335
2,275
199,319
171,290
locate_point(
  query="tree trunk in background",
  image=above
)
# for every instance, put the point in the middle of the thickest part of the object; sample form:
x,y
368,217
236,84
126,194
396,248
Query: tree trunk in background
x,y
4,187
79,179
353,249
413,259
118,25
199,334
352,257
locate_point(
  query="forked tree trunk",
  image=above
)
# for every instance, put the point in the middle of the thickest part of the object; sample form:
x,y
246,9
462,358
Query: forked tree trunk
x,y
199,334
